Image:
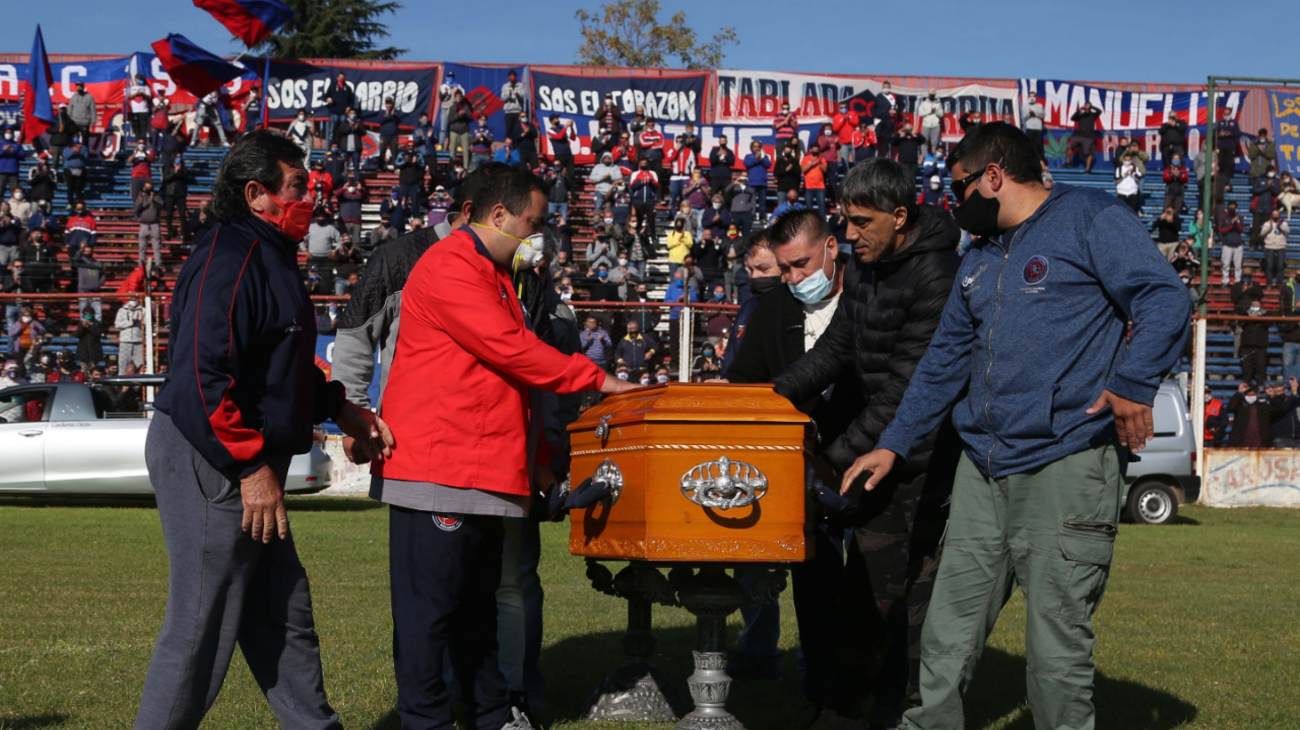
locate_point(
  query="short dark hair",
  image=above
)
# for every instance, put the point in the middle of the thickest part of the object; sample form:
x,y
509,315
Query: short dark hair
x,y
756,241
1002,144
511,187
795,223
255,157
880,183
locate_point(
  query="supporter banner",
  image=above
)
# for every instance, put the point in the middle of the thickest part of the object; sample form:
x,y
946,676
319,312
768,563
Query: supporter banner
x,y
755,97
295,85
482,86
1134,112
671,100
11,114
107,79
1251,478
1285,108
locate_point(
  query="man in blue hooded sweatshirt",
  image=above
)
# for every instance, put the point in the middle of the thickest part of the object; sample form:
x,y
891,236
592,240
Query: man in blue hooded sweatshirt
x,y
1046,383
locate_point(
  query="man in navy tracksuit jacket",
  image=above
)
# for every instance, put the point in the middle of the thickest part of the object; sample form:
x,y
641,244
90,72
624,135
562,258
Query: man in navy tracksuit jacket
x,y
240,400
1032,358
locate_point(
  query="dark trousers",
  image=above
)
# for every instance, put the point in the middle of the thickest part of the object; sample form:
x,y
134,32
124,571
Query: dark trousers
x,y
1274,266
885,586
445,570
1227,163
140,125
816,585
1254,364
225,589
1133,201
173,205
513,130
76,187
387,150
645,213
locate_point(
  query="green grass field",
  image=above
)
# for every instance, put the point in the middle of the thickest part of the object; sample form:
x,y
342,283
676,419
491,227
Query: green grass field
x,y
1200,626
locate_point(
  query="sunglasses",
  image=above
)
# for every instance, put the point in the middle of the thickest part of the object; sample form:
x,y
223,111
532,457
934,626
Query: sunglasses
x,y
959,186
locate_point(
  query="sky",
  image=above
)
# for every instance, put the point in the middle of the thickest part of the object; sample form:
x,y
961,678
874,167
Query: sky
x,y
1100,40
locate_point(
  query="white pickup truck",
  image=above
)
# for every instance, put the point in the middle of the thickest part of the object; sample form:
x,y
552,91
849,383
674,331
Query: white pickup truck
x,y
88,439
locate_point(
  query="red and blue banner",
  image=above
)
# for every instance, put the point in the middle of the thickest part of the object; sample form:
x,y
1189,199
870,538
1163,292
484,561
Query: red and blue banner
x,y
482,86
296,85
191,67
38,112
1285,106
671,98
1127,111
251,21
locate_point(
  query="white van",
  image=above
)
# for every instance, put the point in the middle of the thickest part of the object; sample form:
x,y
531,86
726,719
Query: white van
x,y
1161,477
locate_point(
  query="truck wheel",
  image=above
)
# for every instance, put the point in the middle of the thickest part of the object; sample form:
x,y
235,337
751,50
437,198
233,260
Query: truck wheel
x,y
1152,503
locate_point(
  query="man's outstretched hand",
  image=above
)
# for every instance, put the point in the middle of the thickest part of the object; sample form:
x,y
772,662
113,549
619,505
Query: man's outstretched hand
x,y
876,464
367,436
1133,422
614,385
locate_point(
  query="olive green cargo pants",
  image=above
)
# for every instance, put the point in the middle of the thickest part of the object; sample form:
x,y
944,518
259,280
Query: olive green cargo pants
x,y
1051,532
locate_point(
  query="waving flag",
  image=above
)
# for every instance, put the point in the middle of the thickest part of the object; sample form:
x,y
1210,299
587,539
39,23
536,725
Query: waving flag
x,y
250,20
192,68
38,112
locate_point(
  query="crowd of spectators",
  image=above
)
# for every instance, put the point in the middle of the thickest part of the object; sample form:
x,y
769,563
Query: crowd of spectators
x,y
646,192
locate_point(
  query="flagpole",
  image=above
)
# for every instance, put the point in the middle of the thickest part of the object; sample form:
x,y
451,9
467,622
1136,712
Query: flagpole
x,y
266,79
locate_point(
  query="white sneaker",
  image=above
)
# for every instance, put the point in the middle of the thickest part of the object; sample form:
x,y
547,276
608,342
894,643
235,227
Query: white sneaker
x,y
518,721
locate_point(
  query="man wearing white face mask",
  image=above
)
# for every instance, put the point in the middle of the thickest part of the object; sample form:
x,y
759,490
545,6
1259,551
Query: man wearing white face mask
x,y
882,328
459,469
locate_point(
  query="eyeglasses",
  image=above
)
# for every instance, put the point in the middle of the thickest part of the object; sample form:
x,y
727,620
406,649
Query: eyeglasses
x,y
959,186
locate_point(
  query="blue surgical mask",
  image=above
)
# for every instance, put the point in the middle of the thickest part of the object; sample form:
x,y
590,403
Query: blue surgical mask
x,y
814,289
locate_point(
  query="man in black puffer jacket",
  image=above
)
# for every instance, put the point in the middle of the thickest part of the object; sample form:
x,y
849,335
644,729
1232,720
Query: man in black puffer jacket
x,y
881,329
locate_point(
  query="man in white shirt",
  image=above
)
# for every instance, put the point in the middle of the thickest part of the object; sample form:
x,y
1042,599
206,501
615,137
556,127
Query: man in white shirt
x,y
930,111
140,103
446,98
1033,124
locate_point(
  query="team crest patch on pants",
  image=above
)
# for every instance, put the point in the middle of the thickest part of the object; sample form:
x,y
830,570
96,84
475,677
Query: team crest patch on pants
x,y
446,523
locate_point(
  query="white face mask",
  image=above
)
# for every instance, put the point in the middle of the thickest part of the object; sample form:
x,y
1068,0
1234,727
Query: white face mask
x,y
621,376
661,379
26,318
1252,398
622,262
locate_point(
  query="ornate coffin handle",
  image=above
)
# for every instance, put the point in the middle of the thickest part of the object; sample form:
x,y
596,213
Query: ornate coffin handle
x,y
602,430
724,484
609,473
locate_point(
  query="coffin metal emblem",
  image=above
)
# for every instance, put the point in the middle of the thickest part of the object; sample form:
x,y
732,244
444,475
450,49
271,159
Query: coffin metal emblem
x,y
724,484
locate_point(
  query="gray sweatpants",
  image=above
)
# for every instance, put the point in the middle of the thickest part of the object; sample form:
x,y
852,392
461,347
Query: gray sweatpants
x,y
223,589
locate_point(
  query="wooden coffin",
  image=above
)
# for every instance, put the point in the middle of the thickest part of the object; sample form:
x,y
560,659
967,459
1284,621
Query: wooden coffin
x,y
706,473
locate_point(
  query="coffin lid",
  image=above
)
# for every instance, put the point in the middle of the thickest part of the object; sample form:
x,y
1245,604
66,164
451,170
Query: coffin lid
x,y
702,402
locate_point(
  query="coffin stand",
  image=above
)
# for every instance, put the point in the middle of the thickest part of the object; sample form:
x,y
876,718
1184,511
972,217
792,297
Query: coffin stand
x,y
703,477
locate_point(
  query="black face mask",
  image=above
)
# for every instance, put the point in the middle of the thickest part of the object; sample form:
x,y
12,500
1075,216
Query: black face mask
x,y
764,284
979,215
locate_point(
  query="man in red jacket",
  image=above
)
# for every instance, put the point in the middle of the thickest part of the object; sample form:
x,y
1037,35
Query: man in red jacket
x,y
457,401
845,123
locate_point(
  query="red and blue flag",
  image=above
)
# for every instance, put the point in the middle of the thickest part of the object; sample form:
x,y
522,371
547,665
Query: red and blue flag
x,y
192,68
38,111
250,20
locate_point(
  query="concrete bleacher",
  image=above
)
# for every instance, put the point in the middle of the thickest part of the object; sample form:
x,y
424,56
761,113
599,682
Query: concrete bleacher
x,y
108,189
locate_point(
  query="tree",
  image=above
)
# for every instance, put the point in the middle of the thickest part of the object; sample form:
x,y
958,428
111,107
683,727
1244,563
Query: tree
x,y
628,33
333,29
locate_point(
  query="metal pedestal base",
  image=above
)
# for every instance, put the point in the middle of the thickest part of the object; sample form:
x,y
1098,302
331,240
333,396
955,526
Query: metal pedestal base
x,y
633,692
